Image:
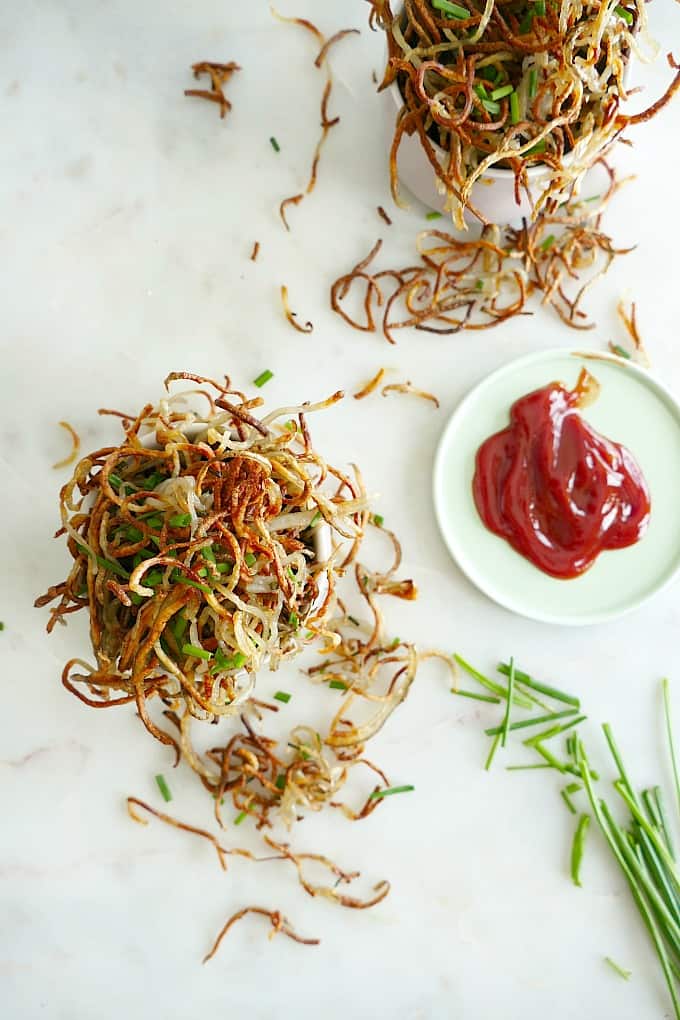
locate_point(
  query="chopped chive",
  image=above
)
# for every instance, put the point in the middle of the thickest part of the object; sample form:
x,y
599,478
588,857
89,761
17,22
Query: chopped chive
x,y
378,520
623,13
537,720
293,620
394,643
309,634
533,82
479,285
263,378
490,106
617,349
274,144
502,91
661,811
455,10
537,148
111,565
433,215
154,520
240,816
315,519
337,685
481,91
179,627
519,699
2,626
549,241
477,697
555,730
153,578
180,520
223,662
250,559
568,801
192,584
208,554
526,768
573,788
115,481
671,742
492,752
196,652
552,692
514,108
549,757
164,788
508,704
539,8
379,794
135,598
154,479
577,848
621,971
526,22
490,73
282,696
280,781
593,198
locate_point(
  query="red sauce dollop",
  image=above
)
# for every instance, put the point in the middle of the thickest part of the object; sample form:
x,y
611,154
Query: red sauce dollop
x,y
555,489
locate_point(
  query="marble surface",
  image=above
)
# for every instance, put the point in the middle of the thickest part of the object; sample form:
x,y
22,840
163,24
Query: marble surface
x,y
128,216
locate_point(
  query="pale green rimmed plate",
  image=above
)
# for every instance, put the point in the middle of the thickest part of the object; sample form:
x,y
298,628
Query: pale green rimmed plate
x,y
633,409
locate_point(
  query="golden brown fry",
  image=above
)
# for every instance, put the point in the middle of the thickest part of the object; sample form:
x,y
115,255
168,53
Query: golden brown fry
x,y
291,316
278,921
408,387
75,439
219,75
255,251
371,385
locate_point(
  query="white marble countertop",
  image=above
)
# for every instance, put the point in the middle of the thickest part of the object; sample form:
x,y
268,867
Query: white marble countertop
x,y
129,213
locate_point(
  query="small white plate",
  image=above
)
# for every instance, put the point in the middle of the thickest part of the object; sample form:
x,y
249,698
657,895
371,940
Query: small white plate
x,y
633,409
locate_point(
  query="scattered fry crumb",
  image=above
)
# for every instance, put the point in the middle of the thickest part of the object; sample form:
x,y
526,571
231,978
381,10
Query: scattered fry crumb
x,y
75,438
408,387
219,76
255,251
291,316
383,215
371,385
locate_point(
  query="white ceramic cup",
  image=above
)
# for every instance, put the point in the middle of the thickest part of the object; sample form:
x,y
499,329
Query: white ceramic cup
x,y
494,193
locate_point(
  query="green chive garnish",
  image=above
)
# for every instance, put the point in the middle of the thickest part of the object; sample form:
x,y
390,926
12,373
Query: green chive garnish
x,y
622,353
283,696
492,752
539,8
621,971
192,584
250,559
280,781
514,108
549,241
208,553
115,481
526,22
502,92
2,626
180,520
568,801
552,692
111,565
164,788
479,285
240,816
491,685
511,690
577,848
274,144
379,794
179,627
337,685
536,720
263,378
196,652
481,91
533,82
433,216
623,13
455,10
537,148
490,106
293,620
378,520
477,697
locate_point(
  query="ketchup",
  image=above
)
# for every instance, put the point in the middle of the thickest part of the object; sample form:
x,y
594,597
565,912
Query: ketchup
x,y
554,488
